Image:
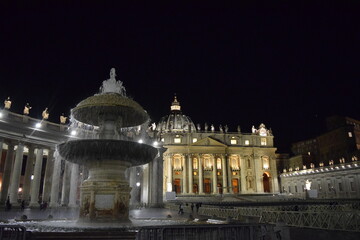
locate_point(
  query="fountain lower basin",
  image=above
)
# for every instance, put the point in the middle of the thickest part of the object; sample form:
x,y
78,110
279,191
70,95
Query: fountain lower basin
x,y
105,194
88,151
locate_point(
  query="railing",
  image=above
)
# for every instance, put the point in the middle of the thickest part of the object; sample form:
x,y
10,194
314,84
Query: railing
x,y
347,221
12,232
340,217
199,232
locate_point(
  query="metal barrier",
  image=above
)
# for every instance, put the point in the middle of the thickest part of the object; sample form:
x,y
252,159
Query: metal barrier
x,y
330,217
12,232
200,232
347,221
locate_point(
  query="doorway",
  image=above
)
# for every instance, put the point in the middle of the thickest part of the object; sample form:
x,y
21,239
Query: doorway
x,y
266,182
235,185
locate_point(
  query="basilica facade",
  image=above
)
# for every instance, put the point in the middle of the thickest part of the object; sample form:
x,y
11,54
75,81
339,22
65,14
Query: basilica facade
x,y
213,160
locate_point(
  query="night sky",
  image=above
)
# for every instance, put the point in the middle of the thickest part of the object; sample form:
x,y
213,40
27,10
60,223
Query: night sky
x,y
288,65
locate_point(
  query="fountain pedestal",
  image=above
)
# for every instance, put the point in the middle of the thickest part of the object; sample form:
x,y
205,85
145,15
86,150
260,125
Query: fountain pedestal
x,y
105,194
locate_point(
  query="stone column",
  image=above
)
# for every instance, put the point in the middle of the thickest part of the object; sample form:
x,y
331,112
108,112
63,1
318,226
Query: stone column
x,y
258,174
145,184
184,179
243,174
28,172
15,178
65,185
54,196
48,176
157,181
35,184
274,176
169,182
135,190
224,174
74,179
191,174
7,172
214,175
201,179
231,190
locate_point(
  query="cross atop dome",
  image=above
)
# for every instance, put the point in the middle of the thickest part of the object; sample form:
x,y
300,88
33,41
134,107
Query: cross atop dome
x,y
175,106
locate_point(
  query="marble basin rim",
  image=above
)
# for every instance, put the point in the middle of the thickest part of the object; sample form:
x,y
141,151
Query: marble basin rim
x,y
87,151
122,110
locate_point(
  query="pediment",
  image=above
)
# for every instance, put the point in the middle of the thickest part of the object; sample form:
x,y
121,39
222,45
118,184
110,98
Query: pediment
x,y
208,141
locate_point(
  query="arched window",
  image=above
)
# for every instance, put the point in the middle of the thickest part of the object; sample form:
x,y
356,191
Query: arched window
x,y
177,162
218,163
195,164
207,163
234,163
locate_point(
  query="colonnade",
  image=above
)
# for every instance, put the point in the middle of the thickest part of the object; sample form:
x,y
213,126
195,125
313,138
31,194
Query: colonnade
x,y
54,181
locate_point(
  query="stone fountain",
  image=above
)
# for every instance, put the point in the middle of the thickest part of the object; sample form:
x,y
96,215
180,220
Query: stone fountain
x,y
105,194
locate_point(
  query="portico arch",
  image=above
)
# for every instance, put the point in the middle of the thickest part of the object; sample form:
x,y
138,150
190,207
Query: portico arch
x,y
266,182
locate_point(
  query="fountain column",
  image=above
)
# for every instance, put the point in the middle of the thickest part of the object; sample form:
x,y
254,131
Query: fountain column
x,y
74,184
54,196
201,180
28,172
7,172
224,174
214,175
35,184
48,176
65,185
15,179
191,180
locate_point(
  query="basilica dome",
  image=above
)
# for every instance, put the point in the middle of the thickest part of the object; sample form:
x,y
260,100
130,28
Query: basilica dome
x,y
175,121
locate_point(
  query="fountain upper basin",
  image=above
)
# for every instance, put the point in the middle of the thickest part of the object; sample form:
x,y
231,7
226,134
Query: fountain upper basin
x,y
89,150
110,106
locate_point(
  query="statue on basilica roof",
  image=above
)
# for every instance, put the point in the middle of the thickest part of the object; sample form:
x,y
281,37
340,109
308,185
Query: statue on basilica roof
x,y
63,118
45,114
27,109
7,103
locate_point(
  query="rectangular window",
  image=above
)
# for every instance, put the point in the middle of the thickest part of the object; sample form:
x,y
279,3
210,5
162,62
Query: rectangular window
x,y
263,142
295,188
177,140
340,187
289,189
352,186
247,142
233,141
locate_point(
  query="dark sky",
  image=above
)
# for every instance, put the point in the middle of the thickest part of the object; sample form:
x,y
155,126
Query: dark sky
x,y
288,65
